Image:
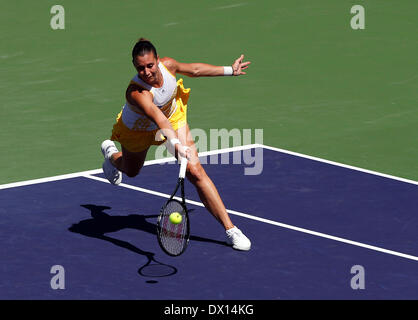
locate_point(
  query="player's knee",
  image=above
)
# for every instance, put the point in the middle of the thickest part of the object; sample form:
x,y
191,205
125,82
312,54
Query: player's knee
x,y
132,172
195,172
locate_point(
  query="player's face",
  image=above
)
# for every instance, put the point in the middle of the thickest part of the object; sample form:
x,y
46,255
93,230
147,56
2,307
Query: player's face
x,y
147,67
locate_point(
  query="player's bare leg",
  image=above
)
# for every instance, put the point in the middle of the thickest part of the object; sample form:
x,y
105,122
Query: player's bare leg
x,y
209,194
205,187
128,162
116,162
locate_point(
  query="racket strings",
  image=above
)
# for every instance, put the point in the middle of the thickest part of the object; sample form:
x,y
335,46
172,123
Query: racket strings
x,y
173,236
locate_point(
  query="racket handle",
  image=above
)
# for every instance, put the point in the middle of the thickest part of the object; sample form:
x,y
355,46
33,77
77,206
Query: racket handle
x,y
183,166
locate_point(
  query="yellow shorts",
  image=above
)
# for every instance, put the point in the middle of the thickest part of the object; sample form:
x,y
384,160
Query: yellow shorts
x,y
140,140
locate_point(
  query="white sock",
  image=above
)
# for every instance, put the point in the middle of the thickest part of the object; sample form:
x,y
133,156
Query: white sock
x,y
110,150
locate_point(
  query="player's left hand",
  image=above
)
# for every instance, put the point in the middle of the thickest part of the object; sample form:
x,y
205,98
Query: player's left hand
x,y
238,66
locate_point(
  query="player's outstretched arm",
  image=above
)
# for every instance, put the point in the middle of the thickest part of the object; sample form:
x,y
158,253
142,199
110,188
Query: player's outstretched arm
x,y
143,100
207,70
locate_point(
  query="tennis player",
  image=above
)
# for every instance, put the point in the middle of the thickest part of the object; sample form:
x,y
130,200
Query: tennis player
x,y
155,113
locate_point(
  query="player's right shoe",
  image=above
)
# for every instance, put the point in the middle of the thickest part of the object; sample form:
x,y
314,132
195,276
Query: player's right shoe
x,y
237,239
111,173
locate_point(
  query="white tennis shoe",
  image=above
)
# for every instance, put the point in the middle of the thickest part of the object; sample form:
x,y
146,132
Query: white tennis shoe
x,y
111,173
237,239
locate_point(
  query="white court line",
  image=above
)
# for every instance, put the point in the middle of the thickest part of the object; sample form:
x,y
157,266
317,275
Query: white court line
x,y
98,171
275,223
49,179
89,173
203,154
207,153
338,164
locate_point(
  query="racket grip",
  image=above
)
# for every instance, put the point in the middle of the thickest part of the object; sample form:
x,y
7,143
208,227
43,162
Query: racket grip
x,y
183,166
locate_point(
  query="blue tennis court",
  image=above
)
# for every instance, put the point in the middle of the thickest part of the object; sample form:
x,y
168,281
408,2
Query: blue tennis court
x,y
310,222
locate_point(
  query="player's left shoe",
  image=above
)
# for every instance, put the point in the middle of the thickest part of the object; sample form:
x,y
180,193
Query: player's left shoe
x,y
111,173
237,239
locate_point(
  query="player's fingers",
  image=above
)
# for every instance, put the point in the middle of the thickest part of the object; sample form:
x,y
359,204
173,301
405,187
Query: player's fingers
x,y
181,150
239,60
188,153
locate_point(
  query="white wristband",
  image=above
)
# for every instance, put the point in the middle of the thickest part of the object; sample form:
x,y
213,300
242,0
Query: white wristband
x,y
174,141
228,71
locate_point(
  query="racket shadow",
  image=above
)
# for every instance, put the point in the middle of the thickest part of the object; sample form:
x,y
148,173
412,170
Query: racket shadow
x,y
101,223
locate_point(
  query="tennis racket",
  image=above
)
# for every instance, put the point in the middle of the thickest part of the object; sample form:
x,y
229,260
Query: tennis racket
x,y
173,238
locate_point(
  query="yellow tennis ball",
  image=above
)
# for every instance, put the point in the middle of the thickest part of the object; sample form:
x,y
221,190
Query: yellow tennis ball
x,y
175,218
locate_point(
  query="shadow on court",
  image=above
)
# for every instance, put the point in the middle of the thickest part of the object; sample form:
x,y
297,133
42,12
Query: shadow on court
x,y
102,223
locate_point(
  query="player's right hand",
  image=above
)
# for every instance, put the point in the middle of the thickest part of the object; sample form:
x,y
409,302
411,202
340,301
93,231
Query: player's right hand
x,y
183,151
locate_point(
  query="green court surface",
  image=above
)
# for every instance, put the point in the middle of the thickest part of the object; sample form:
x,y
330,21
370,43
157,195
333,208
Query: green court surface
x,y
315,85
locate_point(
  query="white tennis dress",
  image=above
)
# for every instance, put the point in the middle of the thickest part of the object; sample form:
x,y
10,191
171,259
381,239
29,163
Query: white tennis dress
x,y
164,98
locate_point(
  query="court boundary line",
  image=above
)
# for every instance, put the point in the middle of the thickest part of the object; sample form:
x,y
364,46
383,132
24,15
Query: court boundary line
x,y
89,174
339,164
208,153
267,221
99,171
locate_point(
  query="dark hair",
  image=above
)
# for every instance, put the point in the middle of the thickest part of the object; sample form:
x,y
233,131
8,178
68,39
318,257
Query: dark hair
x,y
142,47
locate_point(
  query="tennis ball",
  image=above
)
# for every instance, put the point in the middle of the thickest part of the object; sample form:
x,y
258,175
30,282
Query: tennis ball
x,y
175,218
